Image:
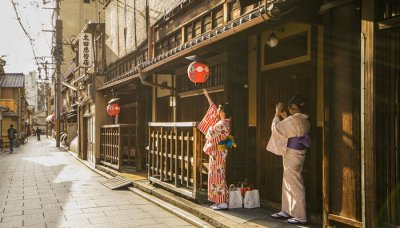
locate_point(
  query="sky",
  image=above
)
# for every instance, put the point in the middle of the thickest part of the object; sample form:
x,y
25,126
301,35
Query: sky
x,y
14,44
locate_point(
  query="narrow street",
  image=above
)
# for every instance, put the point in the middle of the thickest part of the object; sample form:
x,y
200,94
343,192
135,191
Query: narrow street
x,y
42,186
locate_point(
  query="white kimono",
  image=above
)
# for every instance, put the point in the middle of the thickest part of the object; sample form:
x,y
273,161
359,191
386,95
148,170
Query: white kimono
x,y
293,193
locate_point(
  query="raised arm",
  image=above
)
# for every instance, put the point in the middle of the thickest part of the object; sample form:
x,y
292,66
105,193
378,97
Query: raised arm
x,y
208,97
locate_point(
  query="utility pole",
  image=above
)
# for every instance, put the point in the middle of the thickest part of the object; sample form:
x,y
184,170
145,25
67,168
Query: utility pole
x,y
46,81
58,55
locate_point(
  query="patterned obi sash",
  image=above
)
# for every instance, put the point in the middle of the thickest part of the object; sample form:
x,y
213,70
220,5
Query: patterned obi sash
x,y
299,143
228,142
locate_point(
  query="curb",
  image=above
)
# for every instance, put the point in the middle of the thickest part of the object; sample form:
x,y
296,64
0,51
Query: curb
x,y
172,209
201,212
212,217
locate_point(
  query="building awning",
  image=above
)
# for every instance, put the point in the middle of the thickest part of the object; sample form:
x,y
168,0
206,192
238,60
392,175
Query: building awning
x,y
50,118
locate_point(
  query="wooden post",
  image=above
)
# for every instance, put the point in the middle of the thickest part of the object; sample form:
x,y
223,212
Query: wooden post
x,y
151,146
119,138
326,138
182,157
226,12
171,154
188,158
160,152
176,156
195,165
368,177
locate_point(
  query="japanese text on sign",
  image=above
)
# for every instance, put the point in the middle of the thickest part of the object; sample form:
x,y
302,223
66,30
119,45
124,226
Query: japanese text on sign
x,y
85,50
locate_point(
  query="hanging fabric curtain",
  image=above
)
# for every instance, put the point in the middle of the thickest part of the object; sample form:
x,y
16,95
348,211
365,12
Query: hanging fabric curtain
x,y
50,118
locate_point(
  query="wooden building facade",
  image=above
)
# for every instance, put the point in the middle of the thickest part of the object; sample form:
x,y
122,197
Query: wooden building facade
x,y
343,56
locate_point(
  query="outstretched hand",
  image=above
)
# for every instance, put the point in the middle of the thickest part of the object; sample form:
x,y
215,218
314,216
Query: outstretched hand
x,y
207,96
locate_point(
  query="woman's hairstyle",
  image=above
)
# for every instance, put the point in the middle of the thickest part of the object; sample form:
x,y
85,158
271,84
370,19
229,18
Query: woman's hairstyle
x,y
299,101
227,109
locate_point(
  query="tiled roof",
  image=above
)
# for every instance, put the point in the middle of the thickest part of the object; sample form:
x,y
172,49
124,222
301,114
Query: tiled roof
x,y
16,80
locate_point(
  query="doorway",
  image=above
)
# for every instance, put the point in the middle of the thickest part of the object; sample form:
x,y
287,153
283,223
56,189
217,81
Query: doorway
x,y
279,86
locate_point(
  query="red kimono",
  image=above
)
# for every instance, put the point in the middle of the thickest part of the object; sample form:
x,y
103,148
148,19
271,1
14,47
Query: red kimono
x,y
215,131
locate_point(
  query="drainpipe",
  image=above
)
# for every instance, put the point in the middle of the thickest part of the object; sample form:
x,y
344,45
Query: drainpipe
x,y
142,77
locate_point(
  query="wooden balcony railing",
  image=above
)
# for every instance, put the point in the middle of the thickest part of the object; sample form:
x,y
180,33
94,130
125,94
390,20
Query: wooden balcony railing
x,y
118,146
175,158
10,103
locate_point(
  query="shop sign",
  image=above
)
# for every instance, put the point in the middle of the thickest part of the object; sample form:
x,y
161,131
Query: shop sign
x,y
85,50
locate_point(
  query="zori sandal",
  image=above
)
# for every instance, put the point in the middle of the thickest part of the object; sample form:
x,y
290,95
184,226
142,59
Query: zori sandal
x,y
280,215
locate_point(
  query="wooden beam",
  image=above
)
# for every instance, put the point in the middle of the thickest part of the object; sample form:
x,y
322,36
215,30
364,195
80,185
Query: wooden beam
x,y
389,23
327,6
368,178
345,220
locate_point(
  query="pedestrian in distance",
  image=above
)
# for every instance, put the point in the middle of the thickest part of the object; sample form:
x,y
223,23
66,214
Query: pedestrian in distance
x,y
38,131
11,132
290,139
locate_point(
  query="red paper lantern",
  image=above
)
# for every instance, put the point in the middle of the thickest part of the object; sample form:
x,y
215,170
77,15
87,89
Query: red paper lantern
x,y
113,109
198,72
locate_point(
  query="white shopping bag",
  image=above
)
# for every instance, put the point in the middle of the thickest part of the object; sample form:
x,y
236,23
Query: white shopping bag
x,y
252,199
235,197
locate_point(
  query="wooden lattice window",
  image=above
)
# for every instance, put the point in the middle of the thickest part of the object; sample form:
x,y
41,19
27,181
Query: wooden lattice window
x,y
165,45
218,17
206,23
188,32
234,10
178,38
171,41
197,28
158,48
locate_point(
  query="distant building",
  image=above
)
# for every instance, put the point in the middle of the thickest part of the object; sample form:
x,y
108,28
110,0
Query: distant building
x,y
31,90
12,96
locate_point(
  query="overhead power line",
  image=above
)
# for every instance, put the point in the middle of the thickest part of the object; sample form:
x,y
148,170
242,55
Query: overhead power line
x,y
25,31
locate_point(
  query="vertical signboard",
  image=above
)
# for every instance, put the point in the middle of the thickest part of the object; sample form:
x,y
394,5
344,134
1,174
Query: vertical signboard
x,y
85,50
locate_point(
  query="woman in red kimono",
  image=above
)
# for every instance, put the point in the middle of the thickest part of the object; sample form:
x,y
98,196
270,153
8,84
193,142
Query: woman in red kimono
x,y
216,127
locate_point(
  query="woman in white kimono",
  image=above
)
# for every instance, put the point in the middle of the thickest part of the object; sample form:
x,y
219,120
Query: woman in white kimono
x,y
290,139
216,127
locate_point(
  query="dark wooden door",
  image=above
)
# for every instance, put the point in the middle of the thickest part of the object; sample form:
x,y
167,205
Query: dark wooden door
x,y
388,128
342,152
279,86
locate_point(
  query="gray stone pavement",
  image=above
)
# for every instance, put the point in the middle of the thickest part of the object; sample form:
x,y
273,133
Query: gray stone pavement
x,y
42,186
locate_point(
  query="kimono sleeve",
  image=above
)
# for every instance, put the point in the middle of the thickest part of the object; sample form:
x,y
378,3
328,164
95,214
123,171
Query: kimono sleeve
x,y
210,119
277,144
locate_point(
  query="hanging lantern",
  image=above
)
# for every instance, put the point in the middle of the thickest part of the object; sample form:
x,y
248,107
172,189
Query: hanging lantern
x,y
113,109
198,72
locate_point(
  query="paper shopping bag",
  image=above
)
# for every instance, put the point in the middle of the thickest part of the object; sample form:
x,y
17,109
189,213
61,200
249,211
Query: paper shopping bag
x,y
252,199
235,197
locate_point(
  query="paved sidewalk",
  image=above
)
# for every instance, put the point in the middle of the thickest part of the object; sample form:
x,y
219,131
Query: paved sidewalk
x,y
41,186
